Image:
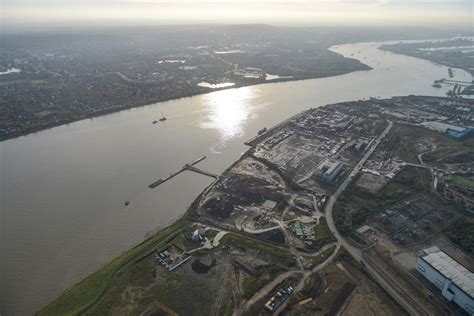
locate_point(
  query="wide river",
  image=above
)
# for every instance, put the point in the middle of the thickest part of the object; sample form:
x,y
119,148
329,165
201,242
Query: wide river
x,y
62,190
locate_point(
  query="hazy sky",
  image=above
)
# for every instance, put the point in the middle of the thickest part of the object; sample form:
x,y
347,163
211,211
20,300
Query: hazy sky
x,y
280,12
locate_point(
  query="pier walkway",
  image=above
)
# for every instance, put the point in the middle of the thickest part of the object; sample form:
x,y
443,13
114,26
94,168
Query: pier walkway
x,y
457,81
206,173
188,166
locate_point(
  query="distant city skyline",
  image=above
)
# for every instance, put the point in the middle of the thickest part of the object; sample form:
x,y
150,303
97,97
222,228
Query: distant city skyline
x,y
434,13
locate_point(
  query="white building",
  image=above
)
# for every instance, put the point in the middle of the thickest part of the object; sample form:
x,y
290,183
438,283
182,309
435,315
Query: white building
x,y
198,234
452,278
441,127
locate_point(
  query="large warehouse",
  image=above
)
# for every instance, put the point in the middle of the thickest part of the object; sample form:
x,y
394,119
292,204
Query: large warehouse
x,y
452,278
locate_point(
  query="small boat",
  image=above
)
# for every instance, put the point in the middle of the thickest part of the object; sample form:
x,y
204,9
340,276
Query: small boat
x,y
263,130
127,203
163,118
155,121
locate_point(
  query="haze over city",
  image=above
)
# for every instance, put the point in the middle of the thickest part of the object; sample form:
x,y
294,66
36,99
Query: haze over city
x,y
434,13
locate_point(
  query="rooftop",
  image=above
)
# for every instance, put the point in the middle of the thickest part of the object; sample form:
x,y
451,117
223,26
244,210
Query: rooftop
x,y
270,204
442,127
450,268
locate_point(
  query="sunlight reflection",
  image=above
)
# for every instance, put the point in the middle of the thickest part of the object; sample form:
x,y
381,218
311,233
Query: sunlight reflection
x,y
229,110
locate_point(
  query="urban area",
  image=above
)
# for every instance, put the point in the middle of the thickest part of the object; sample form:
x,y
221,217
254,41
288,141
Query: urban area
x,y
49,80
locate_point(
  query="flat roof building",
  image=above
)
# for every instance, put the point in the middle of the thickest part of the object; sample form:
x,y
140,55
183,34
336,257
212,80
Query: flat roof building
x,y
454,280
328,171
269,204
441,127
460,135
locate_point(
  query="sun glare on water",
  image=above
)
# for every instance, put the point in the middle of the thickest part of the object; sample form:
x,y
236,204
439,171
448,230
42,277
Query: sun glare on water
x,y
228,112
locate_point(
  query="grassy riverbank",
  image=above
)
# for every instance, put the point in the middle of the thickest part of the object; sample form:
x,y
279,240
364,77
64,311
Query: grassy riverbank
x,y
88,291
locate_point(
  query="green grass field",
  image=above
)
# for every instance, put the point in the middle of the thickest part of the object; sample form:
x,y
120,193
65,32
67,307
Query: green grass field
x,y
402,140
322,230
463,181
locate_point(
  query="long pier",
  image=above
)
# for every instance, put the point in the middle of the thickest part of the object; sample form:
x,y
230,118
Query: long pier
x,y
189,166
457,81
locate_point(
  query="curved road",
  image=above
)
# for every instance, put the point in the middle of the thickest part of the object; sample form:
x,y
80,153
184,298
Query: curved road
x,y
355,252
410,305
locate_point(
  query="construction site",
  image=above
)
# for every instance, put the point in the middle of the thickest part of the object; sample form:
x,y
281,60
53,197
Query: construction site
x,y
325,214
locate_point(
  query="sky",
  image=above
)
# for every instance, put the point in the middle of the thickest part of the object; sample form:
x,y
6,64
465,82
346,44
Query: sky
x,y
438,13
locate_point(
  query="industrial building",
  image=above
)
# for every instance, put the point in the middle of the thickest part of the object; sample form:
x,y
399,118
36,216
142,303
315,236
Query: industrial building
x,y
172,257
328,171
303,231
198,234
460,135
452,131
441,127
452,278
275,301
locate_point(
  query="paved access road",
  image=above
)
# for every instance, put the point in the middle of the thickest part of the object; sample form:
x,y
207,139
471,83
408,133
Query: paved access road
x,y
355,252
408,303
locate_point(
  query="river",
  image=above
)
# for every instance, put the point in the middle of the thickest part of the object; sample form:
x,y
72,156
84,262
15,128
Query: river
x,y
63,189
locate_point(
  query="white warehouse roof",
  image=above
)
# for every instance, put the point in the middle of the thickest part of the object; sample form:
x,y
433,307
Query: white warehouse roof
x,y
442,127
450,268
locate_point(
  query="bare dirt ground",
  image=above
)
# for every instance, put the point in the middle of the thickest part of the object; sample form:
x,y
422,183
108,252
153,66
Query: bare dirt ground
x,y
369,299
381,258
342,288
406,259
365,301
371,183
253,168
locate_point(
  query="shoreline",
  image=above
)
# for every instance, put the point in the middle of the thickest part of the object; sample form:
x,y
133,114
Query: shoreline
x,y
280,80
103,277
183,214
386,48
191,95
183,220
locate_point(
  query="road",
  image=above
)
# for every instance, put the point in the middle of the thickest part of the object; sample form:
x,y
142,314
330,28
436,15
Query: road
x,y
387,283
308,274
266,289
410,304
355,252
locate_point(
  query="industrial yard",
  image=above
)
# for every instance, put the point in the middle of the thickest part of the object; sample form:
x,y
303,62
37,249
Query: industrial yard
x,y
324,212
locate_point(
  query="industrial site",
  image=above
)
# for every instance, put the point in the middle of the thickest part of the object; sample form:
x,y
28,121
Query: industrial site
x,y
351,208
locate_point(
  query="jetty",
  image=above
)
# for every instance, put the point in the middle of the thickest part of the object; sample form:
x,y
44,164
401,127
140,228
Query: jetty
x,y
189,166
456,81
